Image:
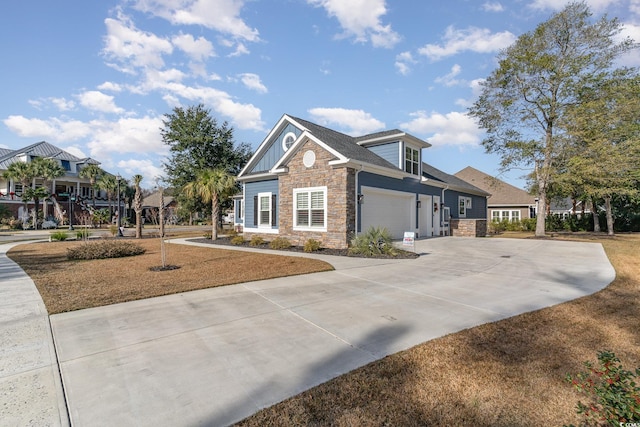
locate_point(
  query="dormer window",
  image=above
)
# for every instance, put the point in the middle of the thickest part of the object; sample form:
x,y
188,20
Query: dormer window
x,y
412,161
288,140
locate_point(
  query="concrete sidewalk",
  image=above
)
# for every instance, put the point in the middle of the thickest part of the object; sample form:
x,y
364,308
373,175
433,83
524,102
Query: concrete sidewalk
x,y
30,389
214,356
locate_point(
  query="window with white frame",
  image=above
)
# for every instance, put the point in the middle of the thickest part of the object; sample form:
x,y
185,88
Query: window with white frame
x,y
310,208
464,203
509,215
264,209
412,161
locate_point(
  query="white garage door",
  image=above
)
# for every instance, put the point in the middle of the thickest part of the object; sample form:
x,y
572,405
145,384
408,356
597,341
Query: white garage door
x,y
394,210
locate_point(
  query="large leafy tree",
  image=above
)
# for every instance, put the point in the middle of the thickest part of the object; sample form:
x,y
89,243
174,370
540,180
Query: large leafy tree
x,y
196,143
211,185
137,204
605,130
523,104
36,194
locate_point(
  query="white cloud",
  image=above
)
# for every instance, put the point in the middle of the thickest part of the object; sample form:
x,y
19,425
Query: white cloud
x,y
492,6
63,104
197,49
110,86
97,101
241,49
361,19
450,78
132,48
76,151
219,15
453,129
631,58
594,5
252,81
403,62
476,89
357,121
473,39
126,135
144,167
52,129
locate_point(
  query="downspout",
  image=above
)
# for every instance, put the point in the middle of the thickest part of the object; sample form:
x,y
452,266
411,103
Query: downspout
x,y
441,216
357,205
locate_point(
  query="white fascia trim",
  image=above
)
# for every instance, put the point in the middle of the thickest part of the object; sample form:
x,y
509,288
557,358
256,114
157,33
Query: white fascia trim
x,y
394,137
304,136
262,147
367,167
261,230
256,177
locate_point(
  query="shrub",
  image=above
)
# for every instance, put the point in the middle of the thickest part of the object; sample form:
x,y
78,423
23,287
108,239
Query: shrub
x,y
104,249
311,245
237,240
376,241
83,234
207,235
280,243
113,229
615,396
256,241
59,236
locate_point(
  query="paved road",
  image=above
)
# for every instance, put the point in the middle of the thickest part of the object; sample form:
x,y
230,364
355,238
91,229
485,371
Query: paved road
x,y
213,357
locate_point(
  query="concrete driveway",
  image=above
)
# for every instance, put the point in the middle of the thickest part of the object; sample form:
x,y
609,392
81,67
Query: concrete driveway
x,y
213,357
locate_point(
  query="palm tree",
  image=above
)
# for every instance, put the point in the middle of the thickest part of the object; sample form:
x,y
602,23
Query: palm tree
x,y
22,172
35,194
94,173
211,185
137,205
108,183
47,169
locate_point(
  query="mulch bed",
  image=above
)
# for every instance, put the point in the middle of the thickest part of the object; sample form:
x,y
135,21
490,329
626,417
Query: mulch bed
x,y
223,240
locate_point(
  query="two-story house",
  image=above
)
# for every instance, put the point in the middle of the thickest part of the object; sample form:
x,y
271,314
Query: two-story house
x,y
70,189
307,181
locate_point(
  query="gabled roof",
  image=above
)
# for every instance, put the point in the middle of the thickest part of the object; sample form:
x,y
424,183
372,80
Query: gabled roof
x,y
345,145
153,200
40,149
442,179
502,193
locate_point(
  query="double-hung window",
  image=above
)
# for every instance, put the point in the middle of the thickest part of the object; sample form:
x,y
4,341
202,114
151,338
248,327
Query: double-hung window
x,y
412,161
264,209
310,208
464,204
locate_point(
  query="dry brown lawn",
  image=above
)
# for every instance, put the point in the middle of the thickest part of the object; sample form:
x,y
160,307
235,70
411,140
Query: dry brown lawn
x,y
507,373
72,285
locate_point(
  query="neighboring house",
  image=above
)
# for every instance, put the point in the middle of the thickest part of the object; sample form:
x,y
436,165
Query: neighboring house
x,y
306,181
506,201
567,207
151,208
71,191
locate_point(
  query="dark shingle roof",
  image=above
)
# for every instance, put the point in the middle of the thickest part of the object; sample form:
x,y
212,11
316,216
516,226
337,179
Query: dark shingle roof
x,y
345,144
433,173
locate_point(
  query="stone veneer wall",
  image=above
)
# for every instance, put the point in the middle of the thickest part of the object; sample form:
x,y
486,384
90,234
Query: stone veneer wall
x,y
468,227
340,183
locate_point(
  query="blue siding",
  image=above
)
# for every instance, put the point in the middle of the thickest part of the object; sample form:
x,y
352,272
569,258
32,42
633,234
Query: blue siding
x,y
237,209
252,189
275,151
390,152
478,205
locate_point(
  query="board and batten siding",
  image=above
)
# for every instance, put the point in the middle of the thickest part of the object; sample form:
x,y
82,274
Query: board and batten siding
x,y
275,150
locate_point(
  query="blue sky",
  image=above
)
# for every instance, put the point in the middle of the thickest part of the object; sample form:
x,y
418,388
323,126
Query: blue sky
x,y
96,77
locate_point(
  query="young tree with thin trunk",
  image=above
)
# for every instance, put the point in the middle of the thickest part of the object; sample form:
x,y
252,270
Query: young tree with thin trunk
x,y
523,103
137,204
48,169
23,173
212,186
